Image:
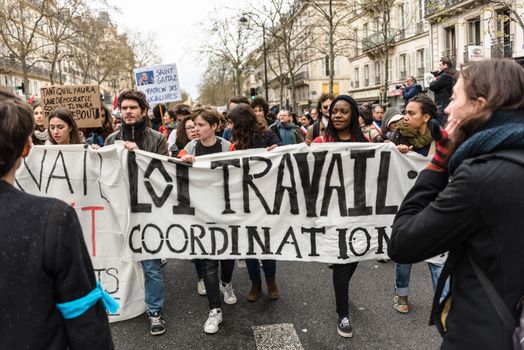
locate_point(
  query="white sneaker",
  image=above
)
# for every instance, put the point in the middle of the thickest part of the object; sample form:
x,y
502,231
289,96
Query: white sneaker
x,y
229,294
201,287
212,322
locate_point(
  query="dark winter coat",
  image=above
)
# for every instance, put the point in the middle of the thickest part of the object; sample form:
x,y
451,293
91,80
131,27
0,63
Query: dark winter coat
x,y
29,318
443,88
479,210
146,138
409,92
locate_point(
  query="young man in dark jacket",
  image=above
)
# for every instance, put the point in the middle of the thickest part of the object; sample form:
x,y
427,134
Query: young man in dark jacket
x,y
442,86
138,136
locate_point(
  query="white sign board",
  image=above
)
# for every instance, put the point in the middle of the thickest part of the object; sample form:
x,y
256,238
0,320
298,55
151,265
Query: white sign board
x,y
159,83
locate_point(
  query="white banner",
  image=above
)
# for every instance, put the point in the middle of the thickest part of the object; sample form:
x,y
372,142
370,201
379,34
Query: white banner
x,y
159,83
332,203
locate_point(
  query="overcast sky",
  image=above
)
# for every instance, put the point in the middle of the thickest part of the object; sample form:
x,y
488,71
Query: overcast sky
x,y
177,28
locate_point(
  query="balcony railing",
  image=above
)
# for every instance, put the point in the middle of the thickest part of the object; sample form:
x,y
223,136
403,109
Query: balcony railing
x,y
356,84
451,54
502,47
403,75
466,51
420,72
378,39
378,81
12,65
366,82
301,76
435,6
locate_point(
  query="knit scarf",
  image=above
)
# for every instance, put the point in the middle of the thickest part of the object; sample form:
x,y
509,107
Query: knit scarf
x,y
41,135
504,130
287,132
134,133
413,137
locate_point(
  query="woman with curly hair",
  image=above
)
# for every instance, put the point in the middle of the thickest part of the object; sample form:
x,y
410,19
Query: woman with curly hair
x,y
246,134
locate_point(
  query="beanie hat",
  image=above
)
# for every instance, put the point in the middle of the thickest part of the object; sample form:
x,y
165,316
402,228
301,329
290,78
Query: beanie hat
x,y
387,116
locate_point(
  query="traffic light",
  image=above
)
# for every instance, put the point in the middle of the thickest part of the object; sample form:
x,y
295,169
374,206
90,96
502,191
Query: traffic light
x,y
253,93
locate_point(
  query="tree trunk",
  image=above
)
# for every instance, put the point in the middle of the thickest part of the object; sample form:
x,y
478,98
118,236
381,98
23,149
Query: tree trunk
x,y
25,71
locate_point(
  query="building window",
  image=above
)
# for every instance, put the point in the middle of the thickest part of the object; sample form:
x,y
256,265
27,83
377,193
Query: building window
x,y
366,75
474,32
378,68
357,77
402,66
420,63
356,41
366,30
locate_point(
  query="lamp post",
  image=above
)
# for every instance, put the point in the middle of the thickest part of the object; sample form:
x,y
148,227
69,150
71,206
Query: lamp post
x,y
244,20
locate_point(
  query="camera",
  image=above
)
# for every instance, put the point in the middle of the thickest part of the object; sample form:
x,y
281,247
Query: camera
x,y
435,72
400,86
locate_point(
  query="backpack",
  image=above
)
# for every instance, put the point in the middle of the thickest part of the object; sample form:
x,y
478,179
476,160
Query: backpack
x,y
501,308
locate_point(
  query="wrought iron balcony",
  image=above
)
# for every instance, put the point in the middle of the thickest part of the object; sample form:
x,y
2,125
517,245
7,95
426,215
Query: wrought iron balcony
x,y
502,47
10,65
378,39
436,6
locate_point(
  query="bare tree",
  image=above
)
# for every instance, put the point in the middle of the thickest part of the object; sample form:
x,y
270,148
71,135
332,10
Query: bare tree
x,y
380,42
230,41
289,30
217,84
333,24
20,22
60,17
144,48
98,51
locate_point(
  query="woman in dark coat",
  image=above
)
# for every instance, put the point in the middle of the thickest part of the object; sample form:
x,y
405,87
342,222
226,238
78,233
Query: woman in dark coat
x,y
470,203
38,273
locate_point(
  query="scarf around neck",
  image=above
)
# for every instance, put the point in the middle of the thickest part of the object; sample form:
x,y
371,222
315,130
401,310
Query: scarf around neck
x,y
504,130
413,136
41,135
287,132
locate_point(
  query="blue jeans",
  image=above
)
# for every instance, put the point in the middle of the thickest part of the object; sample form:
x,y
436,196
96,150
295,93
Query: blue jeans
x,y
154,285
403,272
253,268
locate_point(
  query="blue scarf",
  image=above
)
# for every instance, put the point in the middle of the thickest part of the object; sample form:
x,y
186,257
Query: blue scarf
x,y
504,130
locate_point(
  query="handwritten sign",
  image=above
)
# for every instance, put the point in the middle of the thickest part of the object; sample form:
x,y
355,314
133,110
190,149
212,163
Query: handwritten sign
x,y
159,83
83,101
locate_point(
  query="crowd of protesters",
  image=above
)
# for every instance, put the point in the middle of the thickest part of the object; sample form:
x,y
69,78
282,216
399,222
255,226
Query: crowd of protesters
x,y
463,216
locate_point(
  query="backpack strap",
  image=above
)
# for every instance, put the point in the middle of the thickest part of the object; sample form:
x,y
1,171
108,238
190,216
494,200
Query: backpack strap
x,y
51,236
494,297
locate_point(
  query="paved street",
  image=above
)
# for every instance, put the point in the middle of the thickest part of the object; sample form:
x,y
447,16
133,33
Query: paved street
x,y
307,307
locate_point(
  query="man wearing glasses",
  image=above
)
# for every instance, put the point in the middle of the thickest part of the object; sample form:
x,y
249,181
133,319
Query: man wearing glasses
x,y
319,126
